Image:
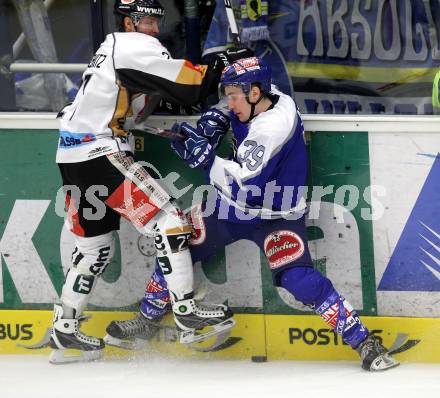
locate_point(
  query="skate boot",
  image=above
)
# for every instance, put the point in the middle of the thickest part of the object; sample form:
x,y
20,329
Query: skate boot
x,y
66,335
132,333
374,355
192,318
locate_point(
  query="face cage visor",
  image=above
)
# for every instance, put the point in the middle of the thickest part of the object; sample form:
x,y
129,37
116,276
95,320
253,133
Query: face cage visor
x,y
245,88
136,18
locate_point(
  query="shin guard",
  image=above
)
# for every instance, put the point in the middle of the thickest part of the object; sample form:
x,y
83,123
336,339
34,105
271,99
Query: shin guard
x,y
337,312
316,291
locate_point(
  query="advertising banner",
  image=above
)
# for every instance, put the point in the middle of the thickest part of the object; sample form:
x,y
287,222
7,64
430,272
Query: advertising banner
x,y
379,247
348,56
373,211
256,337
36,247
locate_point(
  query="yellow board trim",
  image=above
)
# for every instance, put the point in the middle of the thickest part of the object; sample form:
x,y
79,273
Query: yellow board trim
x,y
250,328
309,338
435,92
279,337
361,73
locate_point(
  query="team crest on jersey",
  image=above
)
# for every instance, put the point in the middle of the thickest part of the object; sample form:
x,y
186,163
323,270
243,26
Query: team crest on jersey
x,y
283,247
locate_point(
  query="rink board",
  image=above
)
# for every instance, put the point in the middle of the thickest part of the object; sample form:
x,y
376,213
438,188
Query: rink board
x,y
383,266
29,327
278,337
308,338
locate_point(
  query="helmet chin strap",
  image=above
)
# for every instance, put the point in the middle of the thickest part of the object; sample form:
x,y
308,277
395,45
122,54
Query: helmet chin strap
x,y
253,105
135,19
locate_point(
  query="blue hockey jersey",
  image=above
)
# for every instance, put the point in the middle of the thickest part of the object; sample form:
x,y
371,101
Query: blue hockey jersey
x,y
266,177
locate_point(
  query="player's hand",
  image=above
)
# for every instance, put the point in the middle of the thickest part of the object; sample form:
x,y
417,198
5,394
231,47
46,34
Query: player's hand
x,y
222,59
234,54
195,150
213,125
171,108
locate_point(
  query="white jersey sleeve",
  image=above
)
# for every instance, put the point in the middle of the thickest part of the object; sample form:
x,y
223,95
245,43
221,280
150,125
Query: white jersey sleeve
x,y
125,66
268,133
147,67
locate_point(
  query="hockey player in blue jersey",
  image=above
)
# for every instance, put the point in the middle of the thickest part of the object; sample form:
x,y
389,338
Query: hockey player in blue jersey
x,y
259,199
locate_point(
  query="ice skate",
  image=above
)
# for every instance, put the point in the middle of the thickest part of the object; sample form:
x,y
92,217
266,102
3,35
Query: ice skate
x,y
132,333
65,335
374,356
198,322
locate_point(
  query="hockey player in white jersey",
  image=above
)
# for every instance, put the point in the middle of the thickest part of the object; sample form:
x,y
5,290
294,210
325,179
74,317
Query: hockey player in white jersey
x,y
95,157
259,199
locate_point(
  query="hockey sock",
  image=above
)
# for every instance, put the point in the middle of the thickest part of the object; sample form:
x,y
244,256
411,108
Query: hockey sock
x,y
342,318
315,290
76,292
89,260
156,301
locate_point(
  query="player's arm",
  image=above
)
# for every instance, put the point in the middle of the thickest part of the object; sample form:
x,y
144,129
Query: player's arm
x,y
175,80
151,70
256,159
257,155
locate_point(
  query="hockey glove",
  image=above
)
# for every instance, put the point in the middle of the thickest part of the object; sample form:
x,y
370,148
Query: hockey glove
x,y
196,150
222,59
172,108
234,54
213,125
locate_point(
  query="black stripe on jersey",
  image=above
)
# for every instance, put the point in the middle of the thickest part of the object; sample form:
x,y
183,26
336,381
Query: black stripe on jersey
x,y
137,81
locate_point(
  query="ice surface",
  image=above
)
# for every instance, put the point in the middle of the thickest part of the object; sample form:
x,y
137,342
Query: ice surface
x,y
32,376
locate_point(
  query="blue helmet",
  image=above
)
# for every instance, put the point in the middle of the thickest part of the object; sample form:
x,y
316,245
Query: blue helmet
x,y
244,72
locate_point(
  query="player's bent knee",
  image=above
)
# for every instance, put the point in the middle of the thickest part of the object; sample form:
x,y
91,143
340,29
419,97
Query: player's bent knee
x,y
306,284
172,230
92,255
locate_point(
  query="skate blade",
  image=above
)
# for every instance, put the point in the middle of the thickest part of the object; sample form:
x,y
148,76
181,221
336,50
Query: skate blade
x,y
135,344
222,341
383,362
59,357
221,329
43,343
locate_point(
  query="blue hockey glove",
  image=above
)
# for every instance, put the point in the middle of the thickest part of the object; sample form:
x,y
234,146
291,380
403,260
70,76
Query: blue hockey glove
x,y
196,150
213,125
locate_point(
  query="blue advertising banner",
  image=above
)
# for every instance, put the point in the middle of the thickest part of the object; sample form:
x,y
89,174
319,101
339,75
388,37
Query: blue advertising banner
x,y
351,56
415,263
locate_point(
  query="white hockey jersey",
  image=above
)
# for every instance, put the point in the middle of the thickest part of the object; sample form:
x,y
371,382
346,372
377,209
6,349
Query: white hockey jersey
x,y
125,66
